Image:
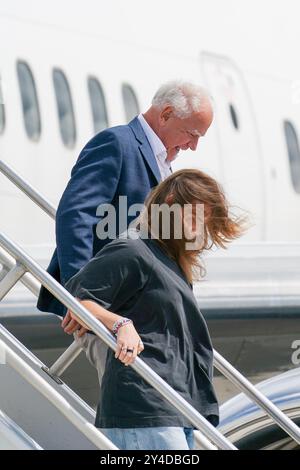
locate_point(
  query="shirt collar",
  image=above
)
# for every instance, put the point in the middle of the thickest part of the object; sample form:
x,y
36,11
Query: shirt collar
x,y
156,144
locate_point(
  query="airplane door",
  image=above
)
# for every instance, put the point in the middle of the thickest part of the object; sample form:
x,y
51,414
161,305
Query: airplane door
x,y
238,140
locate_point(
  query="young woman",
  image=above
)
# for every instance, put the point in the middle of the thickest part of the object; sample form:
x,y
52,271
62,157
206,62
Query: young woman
x,y
140,288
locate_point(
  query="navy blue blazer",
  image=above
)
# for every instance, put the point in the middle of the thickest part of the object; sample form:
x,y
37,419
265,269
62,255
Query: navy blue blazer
x,y
116,162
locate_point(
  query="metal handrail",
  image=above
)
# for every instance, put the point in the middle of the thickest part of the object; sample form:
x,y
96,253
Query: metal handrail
x,y
27,280
74,349
31,283
101,331
254,394
39,383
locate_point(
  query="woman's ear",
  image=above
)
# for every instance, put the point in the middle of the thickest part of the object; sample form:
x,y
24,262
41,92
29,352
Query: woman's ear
x,y
170,199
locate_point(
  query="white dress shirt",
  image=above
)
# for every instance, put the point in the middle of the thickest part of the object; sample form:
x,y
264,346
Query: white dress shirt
x,y
158,148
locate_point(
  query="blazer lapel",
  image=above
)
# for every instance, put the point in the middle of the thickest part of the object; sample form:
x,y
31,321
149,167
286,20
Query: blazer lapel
x,y
145,148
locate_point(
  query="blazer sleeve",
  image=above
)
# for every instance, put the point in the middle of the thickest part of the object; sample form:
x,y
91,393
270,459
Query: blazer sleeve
x,y
116,274
93,181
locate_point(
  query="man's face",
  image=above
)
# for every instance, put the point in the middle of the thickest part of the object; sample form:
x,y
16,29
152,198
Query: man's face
x,y
183,134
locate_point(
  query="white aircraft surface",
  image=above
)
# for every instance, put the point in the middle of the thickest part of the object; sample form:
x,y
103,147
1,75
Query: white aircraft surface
x,y
70,68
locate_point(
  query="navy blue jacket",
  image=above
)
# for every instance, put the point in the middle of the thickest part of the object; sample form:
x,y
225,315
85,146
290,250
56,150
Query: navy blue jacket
x,y
116,162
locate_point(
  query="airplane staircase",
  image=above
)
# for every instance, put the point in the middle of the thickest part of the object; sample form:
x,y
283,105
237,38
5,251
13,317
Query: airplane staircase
x,y
35,397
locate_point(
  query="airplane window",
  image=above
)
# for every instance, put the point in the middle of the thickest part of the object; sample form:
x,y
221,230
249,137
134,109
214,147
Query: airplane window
x,y
98,105
293,148
31,112
64,108
130,101
234,117
2,111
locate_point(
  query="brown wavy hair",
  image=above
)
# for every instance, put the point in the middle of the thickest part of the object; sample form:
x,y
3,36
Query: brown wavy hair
x,y
190,186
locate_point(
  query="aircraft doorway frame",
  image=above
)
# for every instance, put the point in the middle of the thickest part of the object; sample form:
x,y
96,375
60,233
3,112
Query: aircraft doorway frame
x,y
207,58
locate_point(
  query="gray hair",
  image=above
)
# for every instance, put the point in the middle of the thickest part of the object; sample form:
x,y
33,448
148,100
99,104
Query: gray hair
x,y
184,97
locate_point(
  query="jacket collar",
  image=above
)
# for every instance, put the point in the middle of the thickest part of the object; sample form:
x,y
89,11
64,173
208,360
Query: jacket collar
x,y
145,147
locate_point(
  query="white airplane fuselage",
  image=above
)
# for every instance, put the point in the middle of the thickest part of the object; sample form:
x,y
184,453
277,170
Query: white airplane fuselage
x,y
245,148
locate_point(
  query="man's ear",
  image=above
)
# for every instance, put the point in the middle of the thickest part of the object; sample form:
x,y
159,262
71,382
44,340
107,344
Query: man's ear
x,y
166,113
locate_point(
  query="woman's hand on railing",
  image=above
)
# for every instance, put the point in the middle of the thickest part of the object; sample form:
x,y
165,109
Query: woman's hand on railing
x,y
129,344
71,323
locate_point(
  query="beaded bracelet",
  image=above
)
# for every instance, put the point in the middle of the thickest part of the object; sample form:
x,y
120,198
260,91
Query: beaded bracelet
x,y
117,325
